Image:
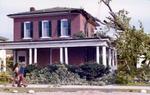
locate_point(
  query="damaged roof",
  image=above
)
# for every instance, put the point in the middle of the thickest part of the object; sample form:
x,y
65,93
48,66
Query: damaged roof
x,y
51,11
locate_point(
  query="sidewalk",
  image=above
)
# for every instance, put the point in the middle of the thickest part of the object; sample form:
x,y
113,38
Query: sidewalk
x,y
84,87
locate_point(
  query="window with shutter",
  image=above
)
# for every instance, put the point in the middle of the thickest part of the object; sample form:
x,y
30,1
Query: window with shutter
x,y
69,27
27,30
65,28
40,29
22,30
58,27
46,29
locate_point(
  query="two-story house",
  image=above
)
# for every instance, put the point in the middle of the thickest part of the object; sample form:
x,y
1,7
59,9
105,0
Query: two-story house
x,y
52,36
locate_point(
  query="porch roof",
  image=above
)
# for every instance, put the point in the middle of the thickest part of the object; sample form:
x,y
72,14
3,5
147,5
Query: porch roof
x,y
54,43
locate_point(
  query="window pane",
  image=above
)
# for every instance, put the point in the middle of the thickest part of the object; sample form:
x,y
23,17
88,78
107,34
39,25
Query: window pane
x,y
64,28
65,24
45,29
27,29
28,26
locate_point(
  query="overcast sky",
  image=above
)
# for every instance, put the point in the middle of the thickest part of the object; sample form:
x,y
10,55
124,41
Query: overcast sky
x,y
138,9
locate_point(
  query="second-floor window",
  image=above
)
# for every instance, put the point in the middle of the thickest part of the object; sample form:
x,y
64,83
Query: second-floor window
x,y
45,28
27,29
64,28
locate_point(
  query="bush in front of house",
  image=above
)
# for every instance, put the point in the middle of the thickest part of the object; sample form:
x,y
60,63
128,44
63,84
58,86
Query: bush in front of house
x,y
92,71
54,74
122,78
5,77
89,71
31,68
86,74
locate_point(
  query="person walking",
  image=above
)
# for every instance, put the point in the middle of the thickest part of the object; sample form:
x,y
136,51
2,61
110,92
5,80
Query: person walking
x,y
15,74
22,80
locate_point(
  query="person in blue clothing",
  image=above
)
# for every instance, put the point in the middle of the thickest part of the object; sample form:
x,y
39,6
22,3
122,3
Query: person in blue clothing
x,y
22,80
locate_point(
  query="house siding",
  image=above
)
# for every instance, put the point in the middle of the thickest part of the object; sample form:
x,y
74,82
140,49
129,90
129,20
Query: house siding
x,y
43,56
76,56
86,27
55,56
76,25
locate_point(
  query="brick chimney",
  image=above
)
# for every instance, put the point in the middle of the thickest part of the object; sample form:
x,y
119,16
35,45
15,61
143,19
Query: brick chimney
x,y
32,9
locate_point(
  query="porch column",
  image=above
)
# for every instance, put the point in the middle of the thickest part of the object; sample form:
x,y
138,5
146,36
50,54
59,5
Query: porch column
x,y
104,56
30,56
113,61
66,55
110,57
116,59
61,55
35,55
14,57
97,55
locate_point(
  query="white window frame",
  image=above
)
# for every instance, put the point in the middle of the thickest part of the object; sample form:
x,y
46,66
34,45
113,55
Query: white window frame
x,y
42,36
61,28
25,30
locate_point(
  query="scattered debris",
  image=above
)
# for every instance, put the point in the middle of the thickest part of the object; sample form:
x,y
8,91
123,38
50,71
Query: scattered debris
x,y
31,91
143,91
15,91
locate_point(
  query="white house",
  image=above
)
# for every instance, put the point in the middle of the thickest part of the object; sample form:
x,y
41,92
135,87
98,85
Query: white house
x,y
2,56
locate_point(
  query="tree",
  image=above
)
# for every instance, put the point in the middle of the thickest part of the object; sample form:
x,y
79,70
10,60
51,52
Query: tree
x,y
130,42
119,20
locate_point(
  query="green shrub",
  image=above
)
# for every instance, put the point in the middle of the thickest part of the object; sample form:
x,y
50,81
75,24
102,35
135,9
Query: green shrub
x,y
4,77
54,74
69,74
73,68
92,71
53,67
122,78
31,68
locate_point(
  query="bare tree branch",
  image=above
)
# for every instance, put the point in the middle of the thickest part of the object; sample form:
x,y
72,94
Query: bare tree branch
x,y
114,21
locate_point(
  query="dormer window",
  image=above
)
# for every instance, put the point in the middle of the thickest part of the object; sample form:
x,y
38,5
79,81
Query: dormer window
x,y
27,29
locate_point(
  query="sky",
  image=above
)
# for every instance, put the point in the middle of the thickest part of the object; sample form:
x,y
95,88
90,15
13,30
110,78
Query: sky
x,y
138,10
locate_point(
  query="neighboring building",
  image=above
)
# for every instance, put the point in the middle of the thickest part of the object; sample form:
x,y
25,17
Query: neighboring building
x,y
2,56
47,36
140,61
9,54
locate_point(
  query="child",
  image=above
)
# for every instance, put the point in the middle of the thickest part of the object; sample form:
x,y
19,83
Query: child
x,y
15,74
22,80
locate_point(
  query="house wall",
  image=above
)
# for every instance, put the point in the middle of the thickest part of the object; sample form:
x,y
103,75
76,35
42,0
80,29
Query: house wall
x,y
76,55
86,27
43,57
77,24
55,55
81,55
22,53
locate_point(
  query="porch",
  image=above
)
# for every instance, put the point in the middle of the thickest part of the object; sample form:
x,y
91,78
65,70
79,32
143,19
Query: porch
x,y
68,51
